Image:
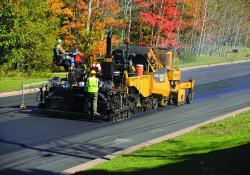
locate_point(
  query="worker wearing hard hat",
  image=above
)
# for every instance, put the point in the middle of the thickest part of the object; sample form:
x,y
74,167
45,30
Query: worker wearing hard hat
x,y
92,86
64,53
60,48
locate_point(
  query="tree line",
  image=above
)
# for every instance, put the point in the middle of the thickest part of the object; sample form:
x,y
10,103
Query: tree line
x,y
29,28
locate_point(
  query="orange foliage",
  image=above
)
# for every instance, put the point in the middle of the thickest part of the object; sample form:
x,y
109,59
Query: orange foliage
x,y
193,12
55,6
100,46
74,20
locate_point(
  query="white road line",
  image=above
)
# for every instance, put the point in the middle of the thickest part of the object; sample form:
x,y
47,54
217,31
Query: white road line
x,y
120,141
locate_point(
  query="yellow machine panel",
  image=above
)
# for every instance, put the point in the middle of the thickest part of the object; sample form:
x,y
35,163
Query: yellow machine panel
x,y
174,74
186,85
141,83
162,87
108,59
147,85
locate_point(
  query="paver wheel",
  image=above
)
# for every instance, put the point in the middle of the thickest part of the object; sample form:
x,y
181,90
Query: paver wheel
x,y
189,98
155,103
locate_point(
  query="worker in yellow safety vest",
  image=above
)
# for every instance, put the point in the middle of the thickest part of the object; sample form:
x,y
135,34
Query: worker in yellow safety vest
x,y
92,86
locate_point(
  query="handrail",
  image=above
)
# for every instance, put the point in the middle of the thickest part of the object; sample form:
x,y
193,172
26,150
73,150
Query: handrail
x,y
37,83
31,85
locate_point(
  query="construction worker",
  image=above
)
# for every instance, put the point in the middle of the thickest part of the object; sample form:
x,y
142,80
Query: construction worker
x,y
92,86
64,53
60,48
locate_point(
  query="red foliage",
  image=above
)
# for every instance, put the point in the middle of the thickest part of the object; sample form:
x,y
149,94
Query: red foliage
x,y
164,16
143,43
148,18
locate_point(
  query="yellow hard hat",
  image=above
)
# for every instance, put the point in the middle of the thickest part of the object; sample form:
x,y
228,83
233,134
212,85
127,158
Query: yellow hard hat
x,y
93,72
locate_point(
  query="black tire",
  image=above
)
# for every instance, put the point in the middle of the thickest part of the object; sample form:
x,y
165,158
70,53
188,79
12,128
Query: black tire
x,y
128,114
164,102
155,103
175,99
189,97
111,117
114,118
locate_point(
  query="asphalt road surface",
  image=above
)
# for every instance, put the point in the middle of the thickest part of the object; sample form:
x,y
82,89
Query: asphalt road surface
x,y
34,143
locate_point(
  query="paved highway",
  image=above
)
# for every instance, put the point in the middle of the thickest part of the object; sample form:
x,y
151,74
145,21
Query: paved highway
x,y
34,143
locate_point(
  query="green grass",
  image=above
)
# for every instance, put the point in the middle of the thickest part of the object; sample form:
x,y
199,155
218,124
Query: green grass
x,y
14,83
191,60
218,148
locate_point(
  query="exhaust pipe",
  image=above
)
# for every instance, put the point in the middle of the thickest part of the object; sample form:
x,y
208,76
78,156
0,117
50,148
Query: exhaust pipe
x,y
108,48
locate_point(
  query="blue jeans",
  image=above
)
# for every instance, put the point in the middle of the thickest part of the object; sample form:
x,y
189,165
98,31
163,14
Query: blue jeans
x,y
70,59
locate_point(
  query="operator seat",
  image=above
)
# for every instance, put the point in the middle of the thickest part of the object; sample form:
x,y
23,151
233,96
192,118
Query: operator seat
x,y
59,59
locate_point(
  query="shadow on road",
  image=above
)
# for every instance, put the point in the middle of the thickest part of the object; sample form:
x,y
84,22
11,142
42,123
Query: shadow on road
x,y
28,172
231,161
70,149
34,111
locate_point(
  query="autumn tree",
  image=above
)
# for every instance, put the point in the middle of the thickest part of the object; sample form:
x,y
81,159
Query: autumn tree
x,y
84,23
159,20
25,34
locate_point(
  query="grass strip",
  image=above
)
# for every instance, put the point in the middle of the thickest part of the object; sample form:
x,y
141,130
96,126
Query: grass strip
x,y
204,59
219,148
14,83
